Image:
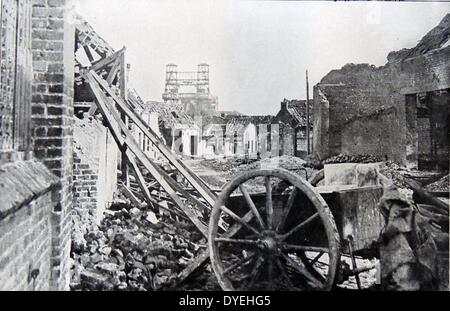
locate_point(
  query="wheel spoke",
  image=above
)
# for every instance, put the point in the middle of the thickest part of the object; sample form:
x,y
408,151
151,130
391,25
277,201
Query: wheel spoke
x,y
236,241
302,271
252,206
238,264
287,209
254,272
270,272
238,219
299,226
269,205
305,248
283,273
316,259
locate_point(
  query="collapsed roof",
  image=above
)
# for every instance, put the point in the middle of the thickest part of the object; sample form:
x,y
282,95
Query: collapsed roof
x,y
436,38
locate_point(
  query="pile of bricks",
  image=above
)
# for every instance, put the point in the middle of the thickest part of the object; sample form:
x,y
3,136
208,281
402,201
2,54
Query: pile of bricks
x,y
132,251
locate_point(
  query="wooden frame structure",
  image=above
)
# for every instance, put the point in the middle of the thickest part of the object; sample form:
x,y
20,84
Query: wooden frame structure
x,y
106,79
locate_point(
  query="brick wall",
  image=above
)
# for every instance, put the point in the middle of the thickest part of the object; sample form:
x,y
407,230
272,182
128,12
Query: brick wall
x,y
26,245
25,226
96,158
52,114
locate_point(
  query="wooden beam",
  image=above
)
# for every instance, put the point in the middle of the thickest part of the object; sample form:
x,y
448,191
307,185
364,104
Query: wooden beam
x,y
194,180
140,179
113,73
130,195
88,53
128,144
107,61
123,86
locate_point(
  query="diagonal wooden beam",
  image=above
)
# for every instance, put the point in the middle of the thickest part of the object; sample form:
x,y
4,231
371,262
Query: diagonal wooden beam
x,y
100,64
88,53
126,142
140,179
194,180
130,195
113,72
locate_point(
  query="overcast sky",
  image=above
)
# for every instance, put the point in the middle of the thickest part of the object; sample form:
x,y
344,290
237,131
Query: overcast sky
x,y
258,50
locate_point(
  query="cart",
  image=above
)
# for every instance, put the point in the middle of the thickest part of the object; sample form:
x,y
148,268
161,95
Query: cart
x,y
292,234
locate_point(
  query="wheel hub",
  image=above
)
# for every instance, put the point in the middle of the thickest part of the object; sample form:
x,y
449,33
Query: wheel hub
x,y
269,242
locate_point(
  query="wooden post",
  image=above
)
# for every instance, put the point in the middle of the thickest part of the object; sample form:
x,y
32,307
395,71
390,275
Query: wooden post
x,y
123,95
307,114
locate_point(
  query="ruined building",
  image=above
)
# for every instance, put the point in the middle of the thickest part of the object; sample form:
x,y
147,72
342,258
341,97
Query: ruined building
x,y
191,89
292,119
399,111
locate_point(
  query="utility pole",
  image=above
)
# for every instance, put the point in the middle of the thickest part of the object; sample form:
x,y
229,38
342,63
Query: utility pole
x,y
307,114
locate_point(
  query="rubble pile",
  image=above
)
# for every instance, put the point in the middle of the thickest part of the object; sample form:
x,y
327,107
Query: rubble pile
x,y
395,173
225,165
287,162
238,165
344,158
130,252
440,185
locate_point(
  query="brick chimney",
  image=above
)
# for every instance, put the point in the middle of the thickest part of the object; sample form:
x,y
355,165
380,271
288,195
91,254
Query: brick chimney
x,y
284,104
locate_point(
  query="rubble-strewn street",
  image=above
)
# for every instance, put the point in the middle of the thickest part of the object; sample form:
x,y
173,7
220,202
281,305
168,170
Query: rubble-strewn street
x,y
218,146
130,250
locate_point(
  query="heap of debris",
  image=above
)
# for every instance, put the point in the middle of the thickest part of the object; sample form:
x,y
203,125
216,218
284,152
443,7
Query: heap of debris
x,y
345,158
440,185
131,250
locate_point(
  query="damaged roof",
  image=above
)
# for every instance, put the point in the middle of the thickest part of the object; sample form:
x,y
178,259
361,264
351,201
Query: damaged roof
x,y
436,38
296,109
236,124
171,115
87,36
239,123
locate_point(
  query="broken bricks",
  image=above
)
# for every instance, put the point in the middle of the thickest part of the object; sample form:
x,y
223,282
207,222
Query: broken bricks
x,y
127,252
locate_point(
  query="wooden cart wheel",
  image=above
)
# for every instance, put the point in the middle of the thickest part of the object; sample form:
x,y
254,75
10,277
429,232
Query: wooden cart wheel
x,y
275,233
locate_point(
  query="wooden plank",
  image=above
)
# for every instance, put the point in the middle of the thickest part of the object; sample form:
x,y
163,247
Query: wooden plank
x,y
123,76
92,110
127,143
107,61
130,195
88,53
139,179
123,87
113,73
181,190
204,191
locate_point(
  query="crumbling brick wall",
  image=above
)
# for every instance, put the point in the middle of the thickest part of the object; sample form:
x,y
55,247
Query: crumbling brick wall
x,y
364,109
96,159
